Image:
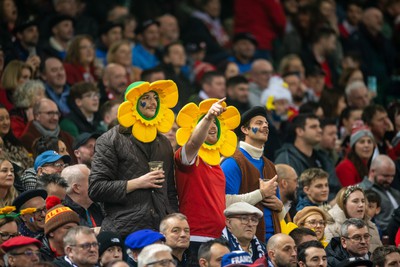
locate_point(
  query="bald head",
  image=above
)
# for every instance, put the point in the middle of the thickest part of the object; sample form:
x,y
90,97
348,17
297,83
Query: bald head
x,y
114,78
287,182
261,72
285,171
382,171
278,240
382,161
281,250
373,20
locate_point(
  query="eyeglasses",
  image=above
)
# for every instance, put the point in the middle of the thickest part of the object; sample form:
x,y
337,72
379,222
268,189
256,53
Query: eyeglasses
x,y
87,246
56,165
51,113
28,253
40,211
164,263
91,95
314,223
5,236
358,238
245,219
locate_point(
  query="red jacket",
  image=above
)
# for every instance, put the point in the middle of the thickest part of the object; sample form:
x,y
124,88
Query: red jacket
x,y
76,73
265,19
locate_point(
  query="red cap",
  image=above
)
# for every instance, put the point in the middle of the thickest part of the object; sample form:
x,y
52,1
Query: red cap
x,y
19,241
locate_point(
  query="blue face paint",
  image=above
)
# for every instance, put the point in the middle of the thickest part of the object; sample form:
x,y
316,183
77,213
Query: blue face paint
x,y
254,129
142,104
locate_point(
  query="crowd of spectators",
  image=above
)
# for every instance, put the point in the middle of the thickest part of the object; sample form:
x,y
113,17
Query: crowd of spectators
x,y
266,115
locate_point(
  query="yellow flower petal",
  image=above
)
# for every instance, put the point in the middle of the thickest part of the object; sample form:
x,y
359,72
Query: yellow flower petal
x,y
286,228
7,209
205,105
187,115
145,129
137,89
144,133
228,147
168,92
27,211
231,117
211,157
167,121
125,112
182,135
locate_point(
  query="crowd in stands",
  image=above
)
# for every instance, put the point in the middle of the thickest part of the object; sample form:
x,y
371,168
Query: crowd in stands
x,y
273,126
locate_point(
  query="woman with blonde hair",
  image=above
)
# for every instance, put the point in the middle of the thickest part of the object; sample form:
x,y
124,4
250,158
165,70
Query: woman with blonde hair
x,y
120,52
7,190
351,203
25,96
15,74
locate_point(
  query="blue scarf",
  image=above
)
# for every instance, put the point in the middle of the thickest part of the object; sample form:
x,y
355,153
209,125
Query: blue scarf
x,y
257,249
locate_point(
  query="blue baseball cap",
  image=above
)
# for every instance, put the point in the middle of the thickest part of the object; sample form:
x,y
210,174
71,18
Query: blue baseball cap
x,y
142,238
49,156
237,258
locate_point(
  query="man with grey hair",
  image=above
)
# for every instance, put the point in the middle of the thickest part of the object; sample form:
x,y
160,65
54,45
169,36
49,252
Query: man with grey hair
x,y
157,255
353,242
176,230
54,185
77,198
381,174
81,248
357,94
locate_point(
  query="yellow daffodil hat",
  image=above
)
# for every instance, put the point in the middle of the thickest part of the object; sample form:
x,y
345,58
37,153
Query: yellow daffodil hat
x,y
190,115
145,129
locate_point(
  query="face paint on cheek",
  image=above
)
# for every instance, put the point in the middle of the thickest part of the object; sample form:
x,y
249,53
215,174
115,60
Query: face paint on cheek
x,y
142,104
254,129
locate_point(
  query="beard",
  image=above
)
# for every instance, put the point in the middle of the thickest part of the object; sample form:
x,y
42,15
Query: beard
x,y
292,196
385,185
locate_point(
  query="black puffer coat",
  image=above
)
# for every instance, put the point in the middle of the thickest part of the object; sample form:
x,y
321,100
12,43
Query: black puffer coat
x,y
119,157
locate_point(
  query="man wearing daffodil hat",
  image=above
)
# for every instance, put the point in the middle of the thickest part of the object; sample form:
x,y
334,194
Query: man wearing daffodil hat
x,y
205,133
134,197
248,171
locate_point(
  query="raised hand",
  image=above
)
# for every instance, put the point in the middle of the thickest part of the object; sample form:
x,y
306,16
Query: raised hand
x,y
216,109
268,188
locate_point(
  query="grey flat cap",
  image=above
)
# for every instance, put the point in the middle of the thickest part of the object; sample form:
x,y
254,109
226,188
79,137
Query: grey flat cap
x,y
240,208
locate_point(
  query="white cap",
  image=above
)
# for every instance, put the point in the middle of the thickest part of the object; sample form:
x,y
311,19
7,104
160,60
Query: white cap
x,y
240,208
278,90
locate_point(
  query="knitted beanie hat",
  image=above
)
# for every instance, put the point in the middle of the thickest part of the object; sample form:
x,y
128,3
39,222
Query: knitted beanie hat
x,y
57,215
359,130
